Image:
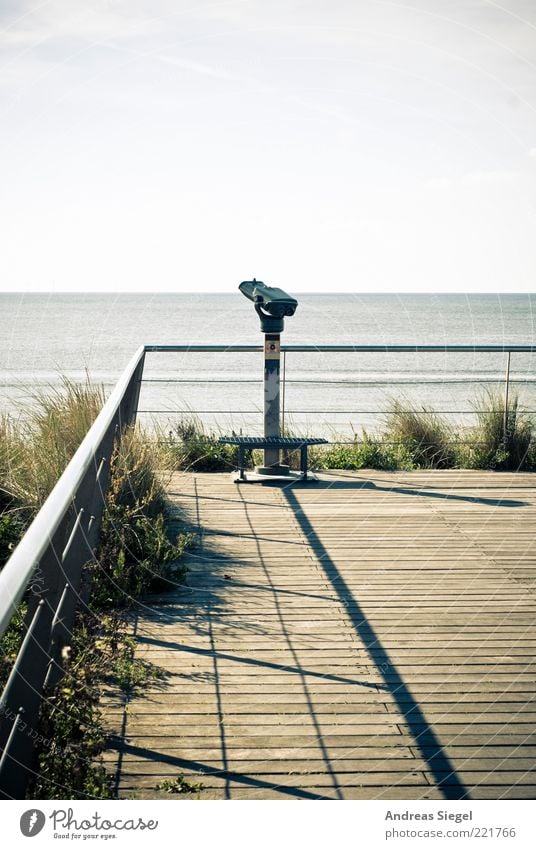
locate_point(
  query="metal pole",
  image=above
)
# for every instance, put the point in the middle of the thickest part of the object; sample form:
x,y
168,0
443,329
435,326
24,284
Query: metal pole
x,y
272,355
283,386
506,390
284,453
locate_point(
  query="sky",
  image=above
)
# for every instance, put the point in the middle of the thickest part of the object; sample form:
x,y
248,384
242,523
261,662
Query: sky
x,y
318,145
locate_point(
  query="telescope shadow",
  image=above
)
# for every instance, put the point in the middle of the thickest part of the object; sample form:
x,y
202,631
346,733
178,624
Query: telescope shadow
x,y
432,752
421,492
221,624
204,605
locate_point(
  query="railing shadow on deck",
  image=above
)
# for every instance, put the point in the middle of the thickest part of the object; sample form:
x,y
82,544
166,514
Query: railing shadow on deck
x,y
399,490
202,601
444,774
204,769
201,604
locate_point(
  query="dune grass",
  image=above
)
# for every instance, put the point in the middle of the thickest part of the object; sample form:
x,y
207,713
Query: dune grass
x,y
425,436
190,447
44,438
412,438
504,438
135,554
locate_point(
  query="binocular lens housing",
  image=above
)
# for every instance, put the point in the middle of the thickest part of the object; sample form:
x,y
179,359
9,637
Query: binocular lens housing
x,y
274,301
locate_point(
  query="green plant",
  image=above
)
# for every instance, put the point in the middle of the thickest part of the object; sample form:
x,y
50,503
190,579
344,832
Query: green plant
x,y
191,448
11,448
135,554
503,438
129,672
426,437
71,727
364,453
10,642
135,551
12,528
46,438
179,785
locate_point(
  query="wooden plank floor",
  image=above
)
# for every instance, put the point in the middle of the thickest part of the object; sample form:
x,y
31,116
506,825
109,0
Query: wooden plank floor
x,y
367,636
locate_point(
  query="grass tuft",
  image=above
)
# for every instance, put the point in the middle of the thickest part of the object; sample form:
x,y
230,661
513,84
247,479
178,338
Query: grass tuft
x,y
193,449
46,438
179,785
503,438
135,552
425,436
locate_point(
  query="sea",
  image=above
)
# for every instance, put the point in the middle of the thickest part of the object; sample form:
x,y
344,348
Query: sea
x,y
48,337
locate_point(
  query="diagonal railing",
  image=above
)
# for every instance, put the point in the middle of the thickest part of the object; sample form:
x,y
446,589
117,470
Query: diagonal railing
x,y
47,568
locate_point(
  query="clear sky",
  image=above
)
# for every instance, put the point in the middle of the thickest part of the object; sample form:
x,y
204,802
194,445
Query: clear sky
x,y
318,145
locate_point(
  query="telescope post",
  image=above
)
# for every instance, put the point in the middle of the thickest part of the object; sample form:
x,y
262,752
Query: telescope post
x,y
272,360
271,305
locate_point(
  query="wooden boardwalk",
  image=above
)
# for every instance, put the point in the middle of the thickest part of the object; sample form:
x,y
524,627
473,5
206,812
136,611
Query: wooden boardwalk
x,y
367,636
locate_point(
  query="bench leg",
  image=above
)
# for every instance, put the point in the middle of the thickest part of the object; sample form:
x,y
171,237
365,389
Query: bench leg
x,y
303,461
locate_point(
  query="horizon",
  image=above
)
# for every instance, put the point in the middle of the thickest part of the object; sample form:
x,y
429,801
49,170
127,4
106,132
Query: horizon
x,y
225,294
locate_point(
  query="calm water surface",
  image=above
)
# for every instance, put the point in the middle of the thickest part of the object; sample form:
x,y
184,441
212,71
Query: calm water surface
x,y
46,336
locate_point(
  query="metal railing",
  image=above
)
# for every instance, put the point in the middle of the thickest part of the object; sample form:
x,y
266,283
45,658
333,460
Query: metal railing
x,y
50,560
48,566
347,410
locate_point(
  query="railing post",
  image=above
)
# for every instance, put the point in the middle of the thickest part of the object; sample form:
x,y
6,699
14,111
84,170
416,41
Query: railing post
x,y
283,387
98,498
285,453
506,391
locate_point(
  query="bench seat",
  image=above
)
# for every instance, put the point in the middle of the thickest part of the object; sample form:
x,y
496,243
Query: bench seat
x,y
248,442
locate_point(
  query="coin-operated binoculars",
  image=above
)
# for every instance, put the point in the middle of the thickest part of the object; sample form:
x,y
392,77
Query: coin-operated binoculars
x,y
271,305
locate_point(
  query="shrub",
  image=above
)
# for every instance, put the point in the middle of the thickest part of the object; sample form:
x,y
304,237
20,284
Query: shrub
x,y
10,450
45,439
135,551
11,529
364,453
500,441
10,642
426,437
192,449
71,722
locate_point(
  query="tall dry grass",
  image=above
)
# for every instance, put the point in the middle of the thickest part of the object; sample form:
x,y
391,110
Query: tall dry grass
x,y
427,438
38,446
135,548
503,437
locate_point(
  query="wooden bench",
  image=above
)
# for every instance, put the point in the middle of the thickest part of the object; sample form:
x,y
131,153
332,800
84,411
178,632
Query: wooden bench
x,y
249,442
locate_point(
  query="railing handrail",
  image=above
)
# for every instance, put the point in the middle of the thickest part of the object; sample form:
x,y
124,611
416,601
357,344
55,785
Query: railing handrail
x,y
375,349
16,574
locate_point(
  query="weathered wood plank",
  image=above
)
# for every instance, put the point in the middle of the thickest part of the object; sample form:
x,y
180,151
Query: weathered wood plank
x,y
330,630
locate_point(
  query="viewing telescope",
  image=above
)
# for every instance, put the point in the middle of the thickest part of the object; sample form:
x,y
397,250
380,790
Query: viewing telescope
x,y
271,304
